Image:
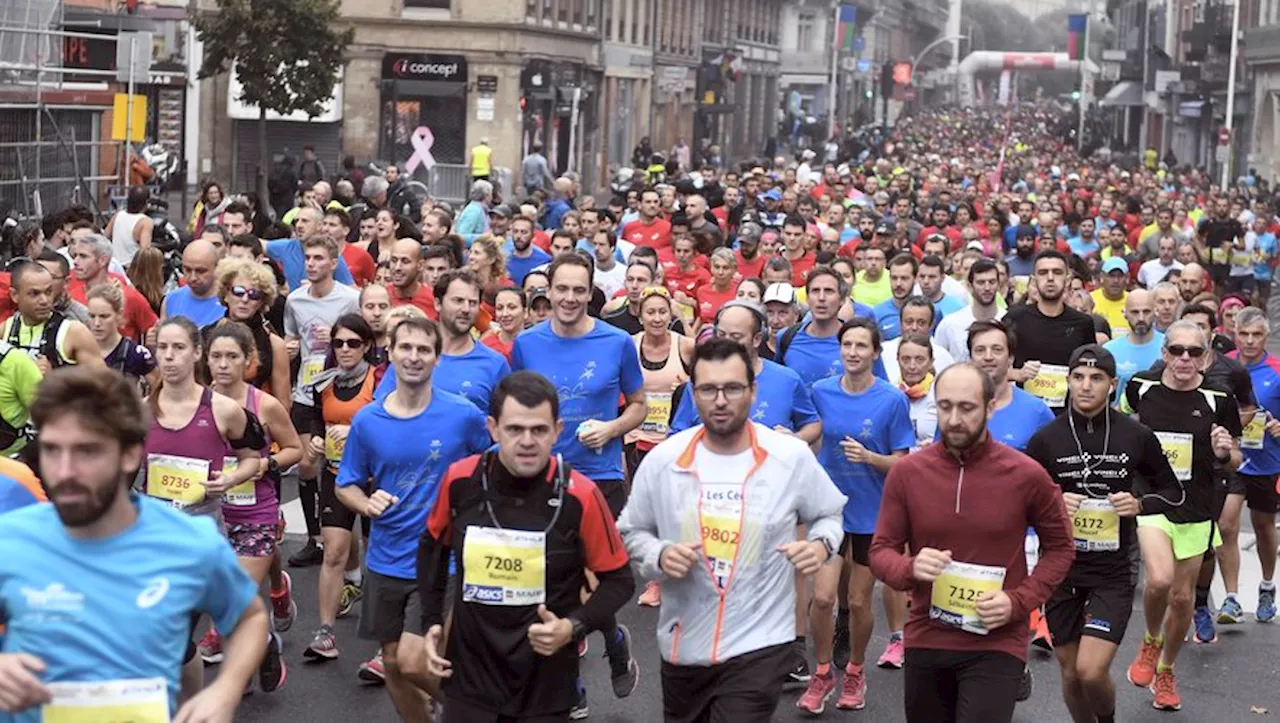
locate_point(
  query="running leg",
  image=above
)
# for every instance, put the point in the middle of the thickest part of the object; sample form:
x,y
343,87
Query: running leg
x,y
337,544
1181,605
1229,553
1157,557
411,703
1264,526
1093,673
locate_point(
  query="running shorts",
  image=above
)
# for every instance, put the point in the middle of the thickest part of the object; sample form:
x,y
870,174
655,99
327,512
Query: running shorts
x,y
857,547
252,540
1259,492
1190,539
615,494
390,606
1099,612
332,512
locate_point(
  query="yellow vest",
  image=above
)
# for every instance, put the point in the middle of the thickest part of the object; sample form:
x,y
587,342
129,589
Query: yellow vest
x,y
480,160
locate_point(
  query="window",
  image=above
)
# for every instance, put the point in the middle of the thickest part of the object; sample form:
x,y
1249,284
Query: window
x,y
531,9
579,12
436,4
646,20
563,7
633,20
805,23
592,10
606,19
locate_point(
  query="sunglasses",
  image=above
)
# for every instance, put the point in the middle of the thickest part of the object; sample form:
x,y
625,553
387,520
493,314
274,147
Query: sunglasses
x,y
1177,350
246,292
347,343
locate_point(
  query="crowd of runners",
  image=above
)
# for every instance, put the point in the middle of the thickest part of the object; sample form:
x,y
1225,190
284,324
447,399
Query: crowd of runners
x,y
1012,385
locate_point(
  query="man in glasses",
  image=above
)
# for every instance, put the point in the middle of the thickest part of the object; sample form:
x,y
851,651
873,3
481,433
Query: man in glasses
x,y
1197,427
1094,452
741,487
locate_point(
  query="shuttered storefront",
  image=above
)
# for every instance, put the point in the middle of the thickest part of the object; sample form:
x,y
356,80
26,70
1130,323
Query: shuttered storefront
x,y
283,136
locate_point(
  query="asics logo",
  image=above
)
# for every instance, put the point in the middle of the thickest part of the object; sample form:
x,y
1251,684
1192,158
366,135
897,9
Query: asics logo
x,y
153,593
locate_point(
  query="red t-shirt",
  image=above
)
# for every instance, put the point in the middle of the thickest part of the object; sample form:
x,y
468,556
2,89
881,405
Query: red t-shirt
x,y
139,317
542,240
750,269
687,281
710,301
424,300
361,265
800,268
656,234
667,257
951,232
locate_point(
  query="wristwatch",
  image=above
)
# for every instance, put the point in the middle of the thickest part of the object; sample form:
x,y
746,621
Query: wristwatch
x,y
827,544
273,467
579,630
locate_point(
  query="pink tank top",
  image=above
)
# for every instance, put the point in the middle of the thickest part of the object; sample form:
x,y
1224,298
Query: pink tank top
x,y
659,384
179,461
252,503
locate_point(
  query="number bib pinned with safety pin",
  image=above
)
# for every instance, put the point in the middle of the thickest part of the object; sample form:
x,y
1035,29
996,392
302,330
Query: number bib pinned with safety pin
x,y
1096,526
1178,447
145,700
1050,385
720,527
504,567
954,602
657,414
177,480
244,494
1254,431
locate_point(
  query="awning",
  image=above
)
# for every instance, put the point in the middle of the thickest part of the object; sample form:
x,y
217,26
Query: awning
x,y
1190,108
1124,94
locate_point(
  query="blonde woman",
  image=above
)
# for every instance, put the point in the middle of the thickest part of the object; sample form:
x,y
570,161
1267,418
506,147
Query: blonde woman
x,y
247,289
106,313
486,260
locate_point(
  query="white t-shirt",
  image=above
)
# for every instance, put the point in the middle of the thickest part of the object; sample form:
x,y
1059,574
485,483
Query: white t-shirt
x,y
612,281
1153,272
953,332
889,356
924,419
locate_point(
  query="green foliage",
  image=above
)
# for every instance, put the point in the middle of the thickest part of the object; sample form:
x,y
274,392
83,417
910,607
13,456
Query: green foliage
x,y
287,53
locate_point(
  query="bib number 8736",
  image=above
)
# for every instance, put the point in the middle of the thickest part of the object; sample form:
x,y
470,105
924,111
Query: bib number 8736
x,y
506,564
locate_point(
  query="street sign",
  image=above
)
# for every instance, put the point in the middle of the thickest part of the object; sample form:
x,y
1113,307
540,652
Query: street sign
x,y
122,125
1222,153
859,44
864,65
133,54
1224,136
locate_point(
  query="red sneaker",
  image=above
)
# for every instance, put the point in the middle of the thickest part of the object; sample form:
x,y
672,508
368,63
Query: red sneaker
x,y
853,691
1143,668
1166,689
814,699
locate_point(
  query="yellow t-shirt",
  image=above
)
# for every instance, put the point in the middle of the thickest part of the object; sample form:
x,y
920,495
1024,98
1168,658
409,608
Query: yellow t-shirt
x,y
1112,311
872,292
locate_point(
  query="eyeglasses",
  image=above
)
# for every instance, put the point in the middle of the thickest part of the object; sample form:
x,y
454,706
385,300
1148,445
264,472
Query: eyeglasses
x,y
709,393
246,292
1177,350
347,343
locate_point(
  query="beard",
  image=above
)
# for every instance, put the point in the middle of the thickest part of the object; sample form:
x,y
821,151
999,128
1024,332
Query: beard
x,y
962,439
727,428
1141,328
90,510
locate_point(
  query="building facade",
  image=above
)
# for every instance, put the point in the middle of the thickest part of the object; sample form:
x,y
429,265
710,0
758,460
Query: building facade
x,y
1262,54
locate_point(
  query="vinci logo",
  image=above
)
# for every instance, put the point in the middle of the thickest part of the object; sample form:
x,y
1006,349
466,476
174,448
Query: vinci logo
x,y
406,68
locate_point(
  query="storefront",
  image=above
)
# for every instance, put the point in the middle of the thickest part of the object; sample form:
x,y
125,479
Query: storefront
x,y
424,109
287,135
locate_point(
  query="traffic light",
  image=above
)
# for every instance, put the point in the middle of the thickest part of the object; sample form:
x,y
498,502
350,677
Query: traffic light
x,y
1075,95
868,93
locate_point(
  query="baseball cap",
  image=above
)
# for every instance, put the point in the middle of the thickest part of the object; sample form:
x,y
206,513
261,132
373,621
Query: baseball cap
x,y
501,210
885,229
1073,176
1093,355
749,305
538,294
772,194
1115,263
781,292
974,246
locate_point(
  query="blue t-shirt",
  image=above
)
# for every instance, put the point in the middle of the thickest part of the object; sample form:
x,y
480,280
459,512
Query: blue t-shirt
x,y
1265,250
183,302
408,458
942,307
782,400
879,418
1266,387
1133,358
1083,248
13,495
590,372
288,253
815,358
518,268
473,375
117,608
1019,420
889,317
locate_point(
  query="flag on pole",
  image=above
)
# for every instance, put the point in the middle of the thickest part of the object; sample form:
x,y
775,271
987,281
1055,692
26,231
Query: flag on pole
x,y
1077,26
845,28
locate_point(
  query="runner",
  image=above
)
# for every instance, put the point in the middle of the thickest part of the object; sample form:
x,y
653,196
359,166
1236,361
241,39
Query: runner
x,y
965,642
198,299
725,628
1094,452
1015,414
106,308
385,444
866,425
90,268
1197,427
49,338
408,285
1140,348
84,549
810,347
915,359
525,620
952,332
248,291
915,318
664,363
465,367
510,313
1255,481
251,510
902,279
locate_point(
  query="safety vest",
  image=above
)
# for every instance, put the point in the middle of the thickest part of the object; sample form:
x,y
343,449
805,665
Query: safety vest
x,y
481,157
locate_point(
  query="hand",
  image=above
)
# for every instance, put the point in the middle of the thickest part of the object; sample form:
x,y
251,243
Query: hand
x,y
551,634
216,484
854,451
322,334
437,664
379,502
337,432
1125,503
1220,440
1072,501
806,556
20,686
42,363
1273,426
214,704
994,609
596,435
317,445
929,563
293,346
677,559
1030,370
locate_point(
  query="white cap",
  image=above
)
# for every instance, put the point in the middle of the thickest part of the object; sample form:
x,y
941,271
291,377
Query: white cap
x,y
974,246
781,292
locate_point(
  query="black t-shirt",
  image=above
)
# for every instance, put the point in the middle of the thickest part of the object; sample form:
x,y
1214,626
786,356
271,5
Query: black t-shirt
x,y
1225,374
1182,422
1048,339
630,323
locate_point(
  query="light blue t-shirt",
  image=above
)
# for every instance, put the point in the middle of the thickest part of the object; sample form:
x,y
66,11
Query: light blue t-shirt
x,y
889,318
879,418
1083,248
815,358
1016,422
1265,249
1132,358
117,608
782,400
590,373
473,375
408,458
1266,387
183,302
13,495
945,305
288,253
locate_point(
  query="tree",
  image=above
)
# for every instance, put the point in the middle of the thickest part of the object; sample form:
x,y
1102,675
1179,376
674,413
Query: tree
x,y
286,53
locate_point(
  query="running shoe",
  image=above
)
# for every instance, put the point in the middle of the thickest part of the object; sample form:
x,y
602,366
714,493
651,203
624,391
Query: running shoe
x,y
1266,605
821,687
310,555
1040,636
798,673
580,711
324,645
1143,668
1025,684
623,670
272,673
371,670
1166,689
652,595
840,642
351,594
210,647
1230,613
284,609
853,691
1203,623
582,648
893,655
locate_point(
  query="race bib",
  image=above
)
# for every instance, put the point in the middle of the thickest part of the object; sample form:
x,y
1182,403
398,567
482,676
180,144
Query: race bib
x,y
1020,284
1252,437
657,414
1050,385
145,700
954,602
720,527
1218,255
311,366
179,480
1177,447
1241,257
244,494
504,567
333,449
1096,526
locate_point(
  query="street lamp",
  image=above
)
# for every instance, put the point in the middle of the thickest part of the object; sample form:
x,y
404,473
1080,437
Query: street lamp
x,y
931,46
